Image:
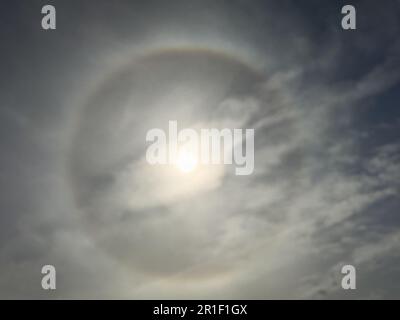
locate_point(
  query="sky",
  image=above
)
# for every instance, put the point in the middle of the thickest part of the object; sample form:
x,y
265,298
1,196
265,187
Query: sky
x,y
77,193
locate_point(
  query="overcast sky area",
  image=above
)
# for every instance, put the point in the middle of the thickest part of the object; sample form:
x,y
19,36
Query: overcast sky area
x,y
77,193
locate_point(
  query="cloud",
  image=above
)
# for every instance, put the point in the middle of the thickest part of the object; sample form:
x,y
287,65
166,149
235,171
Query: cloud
x,y
116,227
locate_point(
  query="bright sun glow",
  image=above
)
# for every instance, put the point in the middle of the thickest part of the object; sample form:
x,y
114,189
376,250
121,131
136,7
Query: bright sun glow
x,y
186,161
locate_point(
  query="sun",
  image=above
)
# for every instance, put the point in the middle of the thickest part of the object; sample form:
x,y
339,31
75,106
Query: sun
x,y
186,161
